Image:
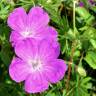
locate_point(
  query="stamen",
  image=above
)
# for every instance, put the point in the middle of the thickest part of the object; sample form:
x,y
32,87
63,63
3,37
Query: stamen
x,y
35,64
26,33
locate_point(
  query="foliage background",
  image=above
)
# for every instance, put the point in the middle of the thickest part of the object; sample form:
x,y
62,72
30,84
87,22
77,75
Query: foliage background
x,y
76,28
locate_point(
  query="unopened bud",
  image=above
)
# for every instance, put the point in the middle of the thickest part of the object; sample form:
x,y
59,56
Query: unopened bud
x,y
81,71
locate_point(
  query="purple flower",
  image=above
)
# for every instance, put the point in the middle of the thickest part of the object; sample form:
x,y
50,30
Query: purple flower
x,y
31,25
81,4
37,65
92,2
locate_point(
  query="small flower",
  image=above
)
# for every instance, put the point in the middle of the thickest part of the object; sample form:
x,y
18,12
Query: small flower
x,y
37,65
92,2
81,4
31,25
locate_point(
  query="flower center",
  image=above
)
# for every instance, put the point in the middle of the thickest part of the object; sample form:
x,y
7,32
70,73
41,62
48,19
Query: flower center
x,y
35,64
26,33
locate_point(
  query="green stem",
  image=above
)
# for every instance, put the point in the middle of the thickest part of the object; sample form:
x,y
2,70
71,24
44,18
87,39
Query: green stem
x,y
33,3
77,76
74,3
72,51
70,91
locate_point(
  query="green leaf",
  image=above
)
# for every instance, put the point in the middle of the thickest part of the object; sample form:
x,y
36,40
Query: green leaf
x,y
3,91
89,33
50,94
85,80
93,8
5,54
82,11
86,83
9,90
83,92
71,34
93,42
91,59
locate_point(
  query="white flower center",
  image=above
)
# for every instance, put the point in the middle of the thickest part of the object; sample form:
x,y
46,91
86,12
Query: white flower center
x,y
26,33
35,64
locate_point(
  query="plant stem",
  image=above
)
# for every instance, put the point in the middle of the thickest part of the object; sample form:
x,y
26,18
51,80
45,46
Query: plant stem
x,y
33,3
73,49
77,75
69,66
74,3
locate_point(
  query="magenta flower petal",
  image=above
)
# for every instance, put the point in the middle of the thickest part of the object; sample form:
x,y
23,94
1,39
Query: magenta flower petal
x,y
26,49
38,17
47,50
15,37
56,47
52,35
36,83
47,32
17,19
55,70
52,32
18,70
30,47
